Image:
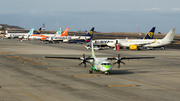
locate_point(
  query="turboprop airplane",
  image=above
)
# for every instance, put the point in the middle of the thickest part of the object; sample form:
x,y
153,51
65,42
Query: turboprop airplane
x,y
100,64
13,35
139,44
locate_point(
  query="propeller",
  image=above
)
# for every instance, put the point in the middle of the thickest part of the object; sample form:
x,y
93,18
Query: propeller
x,y
84,61
119,61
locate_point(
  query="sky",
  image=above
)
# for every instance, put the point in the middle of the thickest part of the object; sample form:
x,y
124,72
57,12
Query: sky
x,y
104,15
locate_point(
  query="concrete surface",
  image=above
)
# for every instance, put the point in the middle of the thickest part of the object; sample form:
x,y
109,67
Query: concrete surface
x,y
25,75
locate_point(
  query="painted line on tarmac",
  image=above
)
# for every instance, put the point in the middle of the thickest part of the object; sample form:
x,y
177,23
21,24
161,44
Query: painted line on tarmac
x,y
13,56
33,96
56,68
17,52
3,53
85,76
122,85
148,84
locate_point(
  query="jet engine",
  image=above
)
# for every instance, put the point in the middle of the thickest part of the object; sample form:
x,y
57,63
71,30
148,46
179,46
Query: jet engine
x,y
133,47
65,40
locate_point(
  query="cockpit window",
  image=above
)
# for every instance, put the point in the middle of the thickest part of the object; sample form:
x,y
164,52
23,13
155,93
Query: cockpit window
x,y
106,64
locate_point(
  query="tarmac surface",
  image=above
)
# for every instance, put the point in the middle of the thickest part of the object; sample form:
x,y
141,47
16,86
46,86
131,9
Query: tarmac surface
x,y
25,75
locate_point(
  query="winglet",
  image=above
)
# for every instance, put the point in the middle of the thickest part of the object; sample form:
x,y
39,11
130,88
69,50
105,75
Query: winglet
x,y
155,40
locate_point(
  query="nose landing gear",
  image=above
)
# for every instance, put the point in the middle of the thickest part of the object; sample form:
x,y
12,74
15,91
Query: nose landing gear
x,y
107,73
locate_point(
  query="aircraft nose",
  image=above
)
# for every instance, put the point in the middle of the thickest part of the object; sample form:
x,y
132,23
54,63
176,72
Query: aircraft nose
x,y
108,67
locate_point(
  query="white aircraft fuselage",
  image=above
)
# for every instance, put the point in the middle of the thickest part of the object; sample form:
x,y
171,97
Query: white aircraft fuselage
x,y
101,64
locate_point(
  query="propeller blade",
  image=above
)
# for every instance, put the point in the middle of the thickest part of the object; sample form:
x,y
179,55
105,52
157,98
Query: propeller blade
x,y
123,63
114,63
80,63
85,65
119,66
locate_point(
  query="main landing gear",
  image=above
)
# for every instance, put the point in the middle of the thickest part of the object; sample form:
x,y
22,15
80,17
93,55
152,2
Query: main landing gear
x,y
106,73
90,71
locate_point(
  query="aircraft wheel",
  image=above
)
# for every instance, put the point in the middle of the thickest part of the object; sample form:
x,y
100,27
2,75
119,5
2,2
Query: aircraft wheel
x,y
90,71
107,73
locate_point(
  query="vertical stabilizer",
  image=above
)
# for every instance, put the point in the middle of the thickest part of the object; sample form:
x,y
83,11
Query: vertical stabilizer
x,y
170,35
65,32
58,33
92,50
150,35
39,31
90,33
31,31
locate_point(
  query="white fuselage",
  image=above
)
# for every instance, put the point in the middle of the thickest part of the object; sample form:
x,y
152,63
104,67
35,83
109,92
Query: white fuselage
x,y
49,35
40,36
104,41
11,35
139,42
144,42
101,64
80,37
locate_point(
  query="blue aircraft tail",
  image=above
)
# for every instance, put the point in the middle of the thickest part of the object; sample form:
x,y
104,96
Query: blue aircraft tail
x,y
150,35
38,32
31,31
90,33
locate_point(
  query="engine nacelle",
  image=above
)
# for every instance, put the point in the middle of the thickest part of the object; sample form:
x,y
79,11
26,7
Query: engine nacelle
x,y
111,44
65,40
20,37
133,47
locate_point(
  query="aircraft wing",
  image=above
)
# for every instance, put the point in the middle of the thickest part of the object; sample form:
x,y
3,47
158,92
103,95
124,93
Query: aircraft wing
x,y
146,43
63,57
84,59
123,58
79,58
127,58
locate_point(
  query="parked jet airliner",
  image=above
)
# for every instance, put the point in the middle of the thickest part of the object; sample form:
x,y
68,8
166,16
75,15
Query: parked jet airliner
x,y
134,44
13,35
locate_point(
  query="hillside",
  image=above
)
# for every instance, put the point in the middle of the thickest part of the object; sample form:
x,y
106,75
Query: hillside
x,y
6,26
